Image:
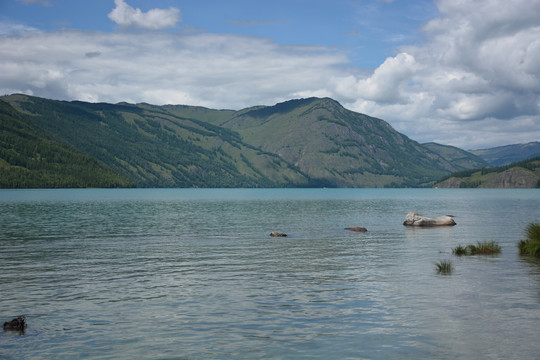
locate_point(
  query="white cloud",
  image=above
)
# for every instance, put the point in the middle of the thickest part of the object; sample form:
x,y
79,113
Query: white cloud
x,y
222,71
42,2
154,19
387,83
9,28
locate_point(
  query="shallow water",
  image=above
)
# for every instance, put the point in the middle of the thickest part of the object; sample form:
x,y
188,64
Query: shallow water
x,y
193,274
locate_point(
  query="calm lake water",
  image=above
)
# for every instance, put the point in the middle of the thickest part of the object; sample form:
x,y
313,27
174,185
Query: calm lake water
x,y
193,274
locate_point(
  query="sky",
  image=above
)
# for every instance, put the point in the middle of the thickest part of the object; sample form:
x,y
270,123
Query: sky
x,y
457,72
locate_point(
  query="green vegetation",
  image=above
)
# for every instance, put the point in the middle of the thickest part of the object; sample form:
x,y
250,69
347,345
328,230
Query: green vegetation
x,y
30,159
154,148
460,250
444,267
481,248
531,245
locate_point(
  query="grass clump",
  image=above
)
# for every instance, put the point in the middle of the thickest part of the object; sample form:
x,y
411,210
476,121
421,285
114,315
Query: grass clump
x,y
481,248
444,267
460,250
531,245
485,248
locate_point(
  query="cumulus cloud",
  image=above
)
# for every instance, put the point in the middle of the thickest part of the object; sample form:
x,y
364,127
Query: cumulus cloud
x,y
474,82
387,83
480,65
154,19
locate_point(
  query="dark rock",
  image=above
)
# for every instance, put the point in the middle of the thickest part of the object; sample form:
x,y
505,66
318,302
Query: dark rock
x,y
277,234
356,228
17,324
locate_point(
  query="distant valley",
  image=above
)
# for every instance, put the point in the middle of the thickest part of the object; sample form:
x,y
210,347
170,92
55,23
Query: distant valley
x,y
312,142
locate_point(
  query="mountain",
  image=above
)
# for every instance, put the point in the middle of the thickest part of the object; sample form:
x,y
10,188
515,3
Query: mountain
x,y
299,143
337,146
457,157
522,174
503,155
30,159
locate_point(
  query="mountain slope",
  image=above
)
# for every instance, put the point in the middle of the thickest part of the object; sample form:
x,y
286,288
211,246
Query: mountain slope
x,y
154,148
522,174
503,155
337,146
30,159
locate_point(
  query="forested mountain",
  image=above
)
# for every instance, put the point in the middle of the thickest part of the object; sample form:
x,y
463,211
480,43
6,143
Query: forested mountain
x,y
522,174
502,155
31,159
154,148
299,143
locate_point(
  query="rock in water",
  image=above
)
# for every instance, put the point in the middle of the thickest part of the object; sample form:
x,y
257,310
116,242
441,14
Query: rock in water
x,y
277,234
413,219
17,324
356,228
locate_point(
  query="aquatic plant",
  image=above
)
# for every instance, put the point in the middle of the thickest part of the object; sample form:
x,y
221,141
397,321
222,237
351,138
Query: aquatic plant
x,y
481,248
459,250
444,267
531,245
485,248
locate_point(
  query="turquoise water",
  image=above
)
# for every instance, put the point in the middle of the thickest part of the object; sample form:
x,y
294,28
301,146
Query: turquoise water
x,y
193,274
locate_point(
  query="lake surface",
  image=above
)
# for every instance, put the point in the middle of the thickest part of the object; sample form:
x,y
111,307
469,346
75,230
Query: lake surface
x,y
193,274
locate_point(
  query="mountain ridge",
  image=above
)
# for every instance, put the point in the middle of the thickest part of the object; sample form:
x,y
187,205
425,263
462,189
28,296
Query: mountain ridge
x,y
506,154
301,142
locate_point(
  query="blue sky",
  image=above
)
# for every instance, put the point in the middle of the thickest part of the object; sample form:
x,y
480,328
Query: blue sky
x,y
458,72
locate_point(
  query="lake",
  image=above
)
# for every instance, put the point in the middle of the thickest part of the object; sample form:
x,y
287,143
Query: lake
x,y
194,274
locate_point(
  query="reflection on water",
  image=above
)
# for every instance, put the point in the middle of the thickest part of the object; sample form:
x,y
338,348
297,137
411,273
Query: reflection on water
x,y
169,273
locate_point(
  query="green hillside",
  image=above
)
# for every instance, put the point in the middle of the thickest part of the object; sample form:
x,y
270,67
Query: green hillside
x,y
299,143
522,174
30,159
154,148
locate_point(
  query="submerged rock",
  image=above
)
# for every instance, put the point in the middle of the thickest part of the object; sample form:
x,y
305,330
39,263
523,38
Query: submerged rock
x,y
277,234
17,324
356,228
413,219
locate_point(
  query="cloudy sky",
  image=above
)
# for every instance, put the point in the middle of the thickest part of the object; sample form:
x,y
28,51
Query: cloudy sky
x,y
458,72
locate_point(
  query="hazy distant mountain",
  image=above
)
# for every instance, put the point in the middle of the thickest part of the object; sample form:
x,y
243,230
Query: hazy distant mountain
x,y
503,155
457,157
307,142
522,174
